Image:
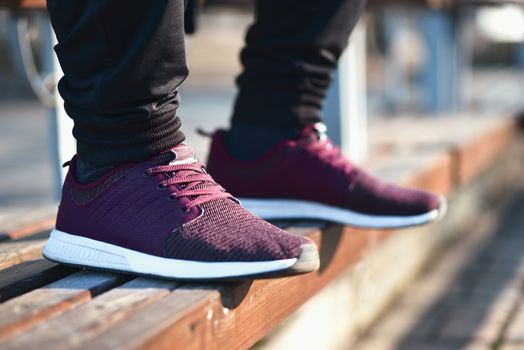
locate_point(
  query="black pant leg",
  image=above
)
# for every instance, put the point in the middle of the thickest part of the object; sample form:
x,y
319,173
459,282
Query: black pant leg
x,y
123,61
291,51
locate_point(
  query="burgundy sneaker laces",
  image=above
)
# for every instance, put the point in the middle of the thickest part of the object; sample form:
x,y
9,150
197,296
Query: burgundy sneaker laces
x,y
192,181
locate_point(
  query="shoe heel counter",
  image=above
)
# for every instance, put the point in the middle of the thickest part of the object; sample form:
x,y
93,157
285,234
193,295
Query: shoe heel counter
x,y
66,203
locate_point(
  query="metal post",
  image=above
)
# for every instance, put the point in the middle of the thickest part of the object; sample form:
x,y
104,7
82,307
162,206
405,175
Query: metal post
x,y
40,80
440,76
43,82
520,55
396,85
65,144
345,110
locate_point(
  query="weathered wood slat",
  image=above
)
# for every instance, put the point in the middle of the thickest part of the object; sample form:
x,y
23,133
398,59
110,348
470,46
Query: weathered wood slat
x,y
475,156
235,316
15,273
19,222
26,230
16,252
419,171
85,322
471,147
28,275
38,305
23,4
155,323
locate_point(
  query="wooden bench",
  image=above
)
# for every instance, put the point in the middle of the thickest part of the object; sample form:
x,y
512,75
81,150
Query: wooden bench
x,y
46,306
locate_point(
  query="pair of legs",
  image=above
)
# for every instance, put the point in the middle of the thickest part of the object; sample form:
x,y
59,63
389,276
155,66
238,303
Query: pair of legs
x,y
125,60
137,200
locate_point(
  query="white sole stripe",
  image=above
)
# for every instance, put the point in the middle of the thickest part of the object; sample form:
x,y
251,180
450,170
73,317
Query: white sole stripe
x,y
82,251
272,209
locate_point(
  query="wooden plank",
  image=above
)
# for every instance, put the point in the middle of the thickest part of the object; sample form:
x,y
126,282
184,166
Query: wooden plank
x,y
475,156
425,178
28,268
415,134
16,252
472,145
30,229
472,142
419,171
29,275
29,309
23,4
235,316
180,304
85,322
17,222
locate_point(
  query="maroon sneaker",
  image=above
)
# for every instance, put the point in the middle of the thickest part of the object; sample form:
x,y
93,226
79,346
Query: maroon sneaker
x,y
167,217
309,178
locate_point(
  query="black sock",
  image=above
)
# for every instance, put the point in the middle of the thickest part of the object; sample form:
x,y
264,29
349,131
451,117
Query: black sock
x,y
251,142
86,173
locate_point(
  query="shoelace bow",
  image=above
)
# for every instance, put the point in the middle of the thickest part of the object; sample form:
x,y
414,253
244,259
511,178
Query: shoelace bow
x,y
191,181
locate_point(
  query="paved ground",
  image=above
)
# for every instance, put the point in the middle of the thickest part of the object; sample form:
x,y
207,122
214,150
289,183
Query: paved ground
x,y
471,298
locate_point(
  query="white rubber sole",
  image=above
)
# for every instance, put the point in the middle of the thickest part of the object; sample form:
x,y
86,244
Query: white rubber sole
x,y
273,209
85,252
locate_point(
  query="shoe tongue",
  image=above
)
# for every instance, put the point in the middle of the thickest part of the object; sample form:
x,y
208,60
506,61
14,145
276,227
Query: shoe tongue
x,y
183,154
314,132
